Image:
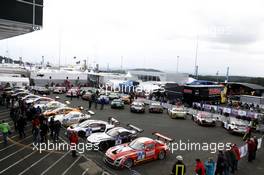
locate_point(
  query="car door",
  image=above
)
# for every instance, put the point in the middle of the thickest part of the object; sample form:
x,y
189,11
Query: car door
x,y
149,151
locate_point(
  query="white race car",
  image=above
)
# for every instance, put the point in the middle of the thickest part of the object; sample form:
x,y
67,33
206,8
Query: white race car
x,y
72,118
30,97
41,101
205,119
177,112
234,125
52,105
85,128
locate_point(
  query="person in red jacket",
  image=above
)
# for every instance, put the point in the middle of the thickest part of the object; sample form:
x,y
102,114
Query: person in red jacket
x,y
199,169
236,151
74,142
251,148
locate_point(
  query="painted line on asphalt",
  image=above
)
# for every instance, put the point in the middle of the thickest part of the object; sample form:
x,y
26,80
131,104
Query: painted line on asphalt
x,y
14,143
31,166
17,162
51,166
85,171
71,165
14,153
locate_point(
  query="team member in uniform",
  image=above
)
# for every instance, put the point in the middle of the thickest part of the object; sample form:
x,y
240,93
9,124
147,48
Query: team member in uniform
x,y
179,168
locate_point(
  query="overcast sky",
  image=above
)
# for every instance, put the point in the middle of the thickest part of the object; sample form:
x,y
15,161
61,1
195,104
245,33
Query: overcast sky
x,y
149,34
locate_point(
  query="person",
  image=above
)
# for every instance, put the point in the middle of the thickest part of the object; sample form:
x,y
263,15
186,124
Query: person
x,y
248,133
102,103
178,167
255,140
57,127
44,129
35,129
231,158
220,164
73,142
236,151
209,166
5,130
71,95
21,123
38,111
90,100
251,147
51,126
199,168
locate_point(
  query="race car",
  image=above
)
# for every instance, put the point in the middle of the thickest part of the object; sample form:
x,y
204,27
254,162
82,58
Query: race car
x,y
87,96
20,94
59,90
114,136
86,128
106,99
113,96
52,106
137,106
72,117
204,119
234,125
125,98
29,97
40,101
117,103
155,108
62,110
139,150
177,112
73,92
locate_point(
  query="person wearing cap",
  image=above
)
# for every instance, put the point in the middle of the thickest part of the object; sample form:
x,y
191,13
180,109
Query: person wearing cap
x,y
179,168
199,168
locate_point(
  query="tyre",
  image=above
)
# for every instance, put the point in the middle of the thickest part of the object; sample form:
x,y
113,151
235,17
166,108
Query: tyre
x,y
103,146
128,163
162,155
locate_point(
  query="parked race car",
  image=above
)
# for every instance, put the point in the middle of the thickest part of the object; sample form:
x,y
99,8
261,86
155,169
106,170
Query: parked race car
x,y
86,128
72,117
87,96
125,98
234,125
53,105
62,110
20,94
204,119
139,150
40,101
155,108
137,106
106,99
113,96
117,104
73,92
114,136
59,90
177,112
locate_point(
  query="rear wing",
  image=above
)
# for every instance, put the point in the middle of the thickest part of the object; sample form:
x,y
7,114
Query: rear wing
x,y
113,121
162,137
139,130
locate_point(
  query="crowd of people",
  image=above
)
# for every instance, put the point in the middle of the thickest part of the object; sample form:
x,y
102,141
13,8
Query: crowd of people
x,y
225,164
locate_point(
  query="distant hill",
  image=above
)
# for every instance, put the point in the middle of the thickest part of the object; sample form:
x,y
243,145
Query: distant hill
x,y
254,80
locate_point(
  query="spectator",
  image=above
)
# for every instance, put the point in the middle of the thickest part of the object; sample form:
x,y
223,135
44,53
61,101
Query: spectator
x,y
57,127
44,129
73,142
251,148
178,167
209,166
255,140
21,123
51,126
5,130
102,103
237,154
35,129
199,169
220,164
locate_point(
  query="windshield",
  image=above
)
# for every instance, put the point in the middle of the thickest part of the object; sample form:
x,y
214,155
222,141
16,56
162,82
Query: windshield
x,y
136,145
112,132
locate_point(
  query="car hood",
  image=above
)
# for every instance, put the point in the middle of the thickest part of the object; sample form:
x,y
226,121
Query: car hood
x,y
98,137
119,151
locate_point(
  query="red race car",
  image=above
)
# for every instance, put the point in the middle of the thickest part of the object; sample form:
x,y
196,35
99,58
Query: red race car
x,y
139,150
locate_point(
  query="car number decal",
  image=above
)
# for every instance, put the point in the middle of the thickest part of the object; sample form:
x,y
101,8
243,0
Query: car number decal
x,y
140,155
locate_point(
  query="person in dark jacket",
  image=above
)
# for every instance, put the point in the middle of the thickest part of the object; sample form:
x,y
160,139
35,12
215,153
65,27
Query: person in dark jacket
x,y
57,127
178,167
251,147
220,164
44,129
51,126
21,123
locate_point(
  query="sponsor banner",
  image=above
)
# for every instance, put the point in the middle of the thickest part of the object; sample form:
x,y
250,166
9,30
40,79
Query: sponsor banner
x,y
243,150
234,112
227,110
242,113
